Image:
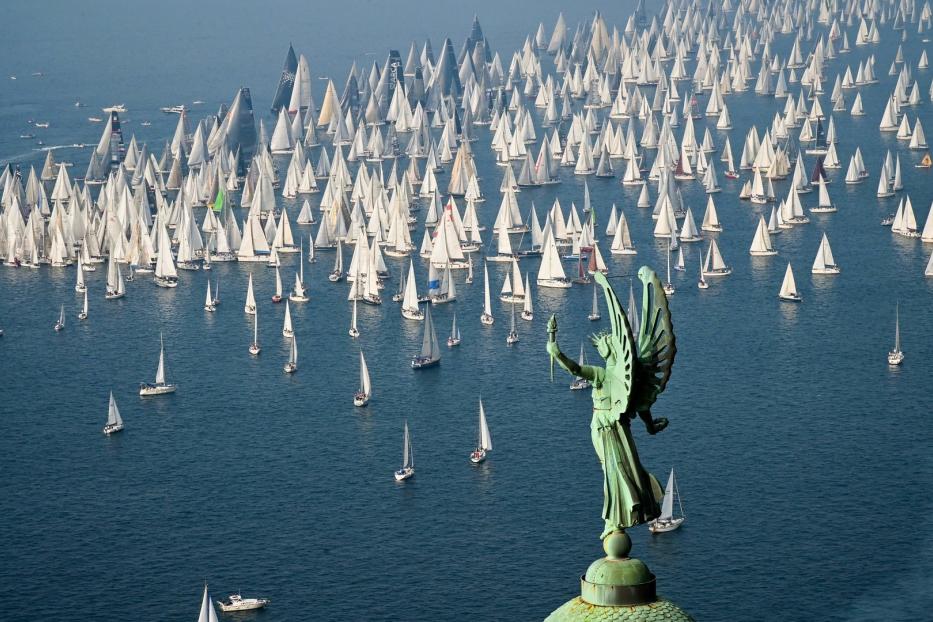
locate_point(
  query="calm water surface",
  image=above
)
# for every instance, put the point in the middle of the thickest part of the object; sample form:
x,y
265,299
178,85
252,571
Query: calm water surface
x,y
803,460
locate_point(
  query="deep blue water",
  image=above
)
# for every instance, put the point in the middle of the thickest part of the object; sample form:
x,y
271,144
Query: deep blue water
x,y
803,460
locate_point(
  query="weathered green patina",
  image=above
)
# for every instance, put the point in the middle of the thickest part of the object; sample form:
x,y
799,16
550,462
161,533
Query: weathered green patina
x,y
618,587
634,375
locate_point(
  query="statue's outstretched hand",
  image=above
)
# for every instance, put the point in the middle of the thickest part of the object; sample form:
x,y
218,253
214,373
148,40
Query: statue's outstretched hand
x,y
552,347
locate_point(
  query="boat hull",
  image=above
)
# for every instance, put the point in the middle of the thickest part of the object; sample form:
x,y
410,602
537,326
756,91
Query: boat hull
x,y
555,283
148,390
659,526
422,363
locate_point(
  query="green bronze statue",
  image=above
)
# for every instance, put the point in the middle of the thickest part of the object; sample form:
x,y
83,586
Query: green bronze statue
x,y
636,372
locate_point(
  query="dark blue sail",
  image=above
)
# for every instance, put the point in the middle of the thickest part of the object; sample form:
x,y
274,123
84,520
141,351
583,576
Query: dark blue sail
x,y
284,90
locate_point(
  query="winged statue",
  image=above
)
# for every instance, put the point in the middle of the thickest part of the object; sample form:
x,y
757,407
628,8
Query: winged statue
x,y
635,374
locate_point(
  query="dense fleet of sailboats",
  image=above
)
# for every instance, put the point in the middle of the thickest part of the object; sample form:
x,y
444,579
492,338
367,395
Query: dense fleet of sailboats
x,y
393,160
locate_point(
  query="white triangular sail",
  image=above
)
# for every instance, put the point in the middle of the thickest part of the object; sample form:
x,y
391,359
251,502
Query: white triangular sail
x,y
113,413
365,384
485,440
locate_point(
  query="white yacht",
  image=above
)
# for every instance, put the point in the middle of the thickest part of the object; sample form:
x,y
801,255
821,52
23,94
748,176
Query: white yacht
x,y
667,521
159,387
896,356
114,420
408,459
60,324
292,365
484,442
789,287
236,602
361,397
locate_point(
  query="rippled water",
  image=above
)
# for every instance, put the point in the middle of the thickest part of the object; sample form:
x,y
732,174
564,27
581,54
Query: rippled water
x,y
803,460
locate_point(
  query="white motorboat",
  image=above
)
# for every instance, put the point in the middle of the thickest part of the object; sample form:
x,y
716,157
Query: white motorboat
x,y
236,602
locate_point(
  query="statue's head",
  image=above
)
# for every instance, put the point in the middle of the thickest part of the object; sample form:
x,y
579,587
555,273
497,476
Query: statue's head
x,y
603,343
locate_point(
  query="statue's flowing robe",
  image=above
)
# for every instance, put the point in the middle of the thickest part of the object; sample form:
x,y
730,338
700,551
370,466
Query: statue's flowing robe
x,y
631,495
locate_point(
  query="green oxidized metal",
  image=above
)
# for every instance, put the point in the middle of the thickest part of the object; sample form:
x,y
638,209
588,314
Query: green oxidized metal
x,y
619,587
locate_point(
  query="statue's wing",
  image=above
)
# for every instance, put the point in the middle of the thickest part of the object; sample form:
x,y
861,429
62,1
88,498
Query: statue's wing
x,y
656,343
623,344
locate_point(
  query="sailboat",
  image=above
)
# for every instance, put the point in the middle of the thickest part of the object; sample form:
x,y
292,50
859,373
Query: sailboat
x,y
209,299
60,324
789,287
115,287
430,352
895,356
715,265
292,365
250,307
254,348
824,262
469,278
484,442
454,338
594,313
159,387
669,286
83,314
337,274
528,312
114,420
667,521
580,383
166,275
551,272
208,614
80,285
277,296
486,318
512,337
287,329
410,308
408,457
354,330
217,292
702,284
680,265
361,398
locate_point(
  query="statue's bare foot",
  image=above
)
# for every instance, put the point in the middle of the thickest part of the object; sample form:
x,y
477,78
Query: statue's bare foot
x,y
656,425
